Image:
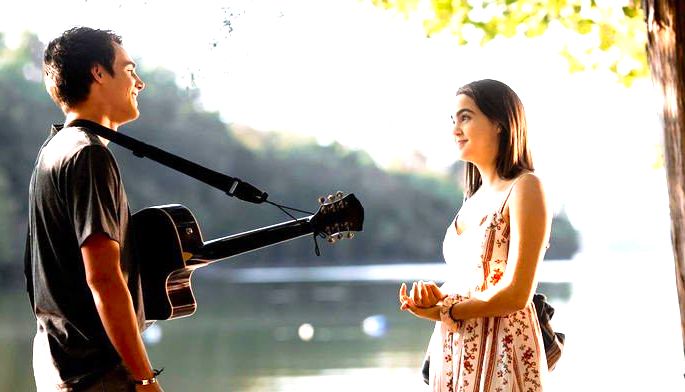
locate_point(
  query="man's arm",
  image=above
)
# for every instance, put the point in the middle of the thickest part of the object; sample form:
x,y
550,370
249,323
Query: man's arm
x,y
114,304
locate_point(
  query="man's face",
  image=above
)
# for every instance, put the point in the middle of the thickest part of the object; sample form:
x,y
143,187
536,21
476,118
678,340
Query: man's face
x,y
120,90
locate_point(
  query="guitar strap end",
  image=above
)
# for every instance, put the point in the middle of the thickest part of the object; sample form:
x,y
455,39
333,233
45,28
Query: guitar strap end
x,y
317,252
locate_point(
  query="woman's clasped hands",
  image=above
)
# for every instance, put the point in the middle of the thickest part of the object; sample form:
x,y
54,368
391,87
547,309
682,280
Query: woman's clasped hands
x,y
423,300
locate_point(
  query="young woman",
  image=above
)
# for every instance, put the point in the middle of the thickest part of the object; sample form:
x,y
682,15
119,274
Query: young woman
x,y
487,336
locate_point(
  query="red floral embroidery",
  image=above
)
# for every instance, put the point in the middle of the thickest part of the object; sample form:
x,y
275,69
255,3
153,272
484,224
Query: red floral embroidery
x,y
496,276
490,355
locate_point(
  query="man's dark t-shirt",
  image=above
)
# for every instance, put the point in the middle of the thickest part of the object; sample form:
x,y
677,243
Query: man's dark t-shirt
x,y
75,191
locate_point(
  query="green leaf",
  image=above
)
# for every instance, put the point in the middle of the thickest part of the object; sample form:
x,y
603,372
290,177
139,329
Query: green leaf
x,y
556,6
537,29
506,27
574,65
607,36
584,26
491,29
629,11
624,31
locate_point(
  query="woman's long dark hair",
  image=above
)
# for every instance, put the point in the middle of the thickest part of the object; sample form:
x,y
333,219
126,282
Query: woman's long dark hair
x,y
500,104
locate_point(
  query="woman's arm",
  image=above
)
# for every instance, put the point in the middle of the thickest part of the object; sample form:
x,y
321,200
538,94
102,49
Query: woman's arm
x,y
530,223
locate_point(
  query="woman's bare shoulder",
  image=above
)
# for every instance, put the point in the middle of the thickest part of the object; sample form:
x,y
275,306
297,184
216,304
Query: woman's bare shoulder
x,y
528,181
528,191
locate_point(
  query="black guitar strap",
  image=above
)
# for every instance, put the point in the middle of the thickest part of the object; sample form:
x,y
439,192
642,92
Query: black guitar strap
x,y
231,185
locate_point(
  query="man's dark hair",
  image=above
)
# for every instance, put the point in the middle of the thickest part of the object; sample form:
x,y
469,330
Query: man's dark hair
x,y
69,58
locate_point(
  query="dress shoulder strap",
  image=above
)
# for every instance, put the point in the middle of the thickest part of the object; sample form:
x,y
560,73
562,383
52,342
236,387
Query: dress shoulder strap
x,y
511,187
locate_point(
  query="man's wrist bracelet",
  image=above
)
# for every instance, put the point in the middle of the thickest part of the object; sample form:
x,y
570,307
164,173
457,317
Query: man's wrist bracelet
x,y
146,381
149,381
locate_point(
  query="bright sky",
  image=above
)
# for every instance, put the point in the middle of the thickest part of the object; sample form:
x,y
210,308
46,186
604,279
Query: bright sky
x,y
343,70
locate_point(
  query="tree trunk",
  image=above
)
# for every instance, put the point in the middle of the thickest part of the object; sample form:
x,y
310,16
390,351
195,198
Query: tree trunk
x,y
665,47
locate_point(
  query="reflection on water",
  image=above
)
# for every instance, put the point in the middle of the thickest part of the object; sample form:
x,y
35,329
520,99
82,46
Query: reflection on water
x,y
289,336
278,336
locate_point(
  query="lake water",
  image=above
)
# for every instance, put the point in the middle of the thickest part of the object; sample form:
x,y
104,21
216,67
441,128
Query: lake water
x,y
339,329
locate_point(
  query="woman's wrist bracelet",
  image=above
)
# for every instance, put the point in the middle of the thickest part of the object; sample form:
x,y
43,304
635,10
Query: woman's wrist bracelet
x,y
449,313
446,315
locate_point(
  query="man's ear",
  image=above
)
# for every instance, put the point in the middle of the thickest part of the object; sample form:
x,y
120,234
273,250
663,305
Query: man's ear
x,y
98,72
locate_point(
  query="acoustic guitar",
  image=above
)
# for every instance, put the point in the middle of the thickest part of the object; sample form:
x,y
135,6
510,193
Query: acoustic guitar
x,y
169,245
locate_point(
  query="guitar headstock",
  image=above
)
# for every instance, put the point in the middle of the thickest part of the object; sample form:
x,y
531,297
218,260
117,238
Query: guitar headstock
x,y
338,217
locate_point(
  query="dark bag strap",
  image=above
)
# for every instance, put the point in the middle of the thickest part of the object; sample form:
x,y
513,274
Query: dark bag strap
x,y
425,369
553,341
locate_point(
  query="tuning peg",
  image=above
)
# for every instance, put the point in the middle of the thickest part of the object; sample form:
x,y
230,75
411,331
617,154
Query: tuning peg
x,y
331,198
349,234
331,239
339,195
339,236
322,200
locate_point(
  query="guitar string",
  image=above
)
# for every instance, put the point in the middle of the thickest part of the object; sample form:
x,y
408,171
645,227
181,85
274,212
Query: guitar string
x,y
284,209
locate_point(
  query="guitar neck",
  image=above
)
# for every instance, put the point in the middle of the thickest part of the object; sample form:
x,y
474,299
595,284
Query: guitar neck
x,y
233,245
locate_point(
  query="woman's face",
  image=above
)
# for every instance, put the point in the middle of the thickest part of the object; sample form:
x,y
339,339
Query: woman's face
x,y
475,134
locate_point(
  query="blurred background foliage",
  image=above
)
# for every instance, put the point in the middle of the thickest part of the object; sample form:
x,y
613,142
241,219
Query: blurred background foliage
x,y
590,34
406,212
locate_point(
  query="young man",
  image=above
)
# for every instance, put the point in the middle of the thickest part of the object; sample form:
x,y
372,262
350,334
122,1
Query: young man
x,y
83,285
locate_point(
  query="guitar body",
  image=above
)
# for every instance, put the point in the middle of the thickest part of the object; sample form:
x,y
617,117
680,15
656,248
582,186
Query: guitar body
x,y
168,247
165,240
